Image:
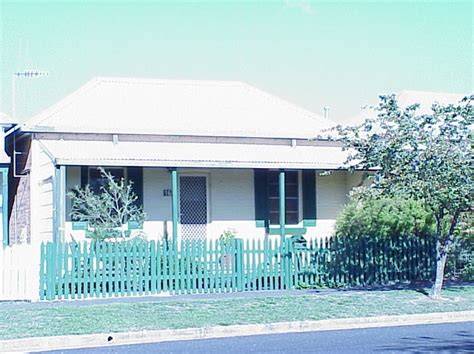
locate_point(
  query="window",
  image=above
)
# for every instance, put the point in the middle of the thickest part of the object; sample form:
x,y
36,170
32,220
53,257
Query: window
x,y
291,197
96,180
91,175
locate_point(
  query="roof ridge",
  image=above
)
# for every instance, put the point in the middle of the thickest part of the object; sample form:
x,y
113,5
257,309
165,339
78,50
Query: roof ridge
x,y
278,99
143,80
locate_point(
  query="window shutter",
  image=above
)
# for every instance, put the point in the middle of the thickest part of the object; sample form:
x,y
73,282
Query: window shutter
x,y
260,186
84,176
135,174
309,197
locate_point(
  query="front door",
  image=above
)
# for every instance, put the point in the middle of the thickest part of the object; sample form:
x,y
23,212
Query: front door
x,y
193,207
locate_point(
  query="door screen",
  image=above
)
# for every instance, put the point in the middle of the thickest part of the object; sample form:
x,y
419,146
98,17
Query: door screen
x,y
193,207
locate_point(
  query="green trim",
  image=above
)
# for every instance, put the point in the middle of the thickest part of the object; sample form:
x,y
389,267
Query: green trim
x,y
56,204
309,194
174,205
113,234
281,185
62,203
4,206
287,230
79,225
133,225
261,197
59,202
84,225
309,222
84,176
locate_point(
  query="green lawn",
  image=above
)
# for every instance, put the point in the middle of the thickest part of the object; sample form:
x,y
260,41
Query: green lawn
x,y
31,320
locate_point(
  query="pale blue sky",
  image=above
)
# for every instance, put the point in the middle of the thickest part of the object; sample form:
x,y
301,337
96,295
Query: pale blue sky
x,y
313,53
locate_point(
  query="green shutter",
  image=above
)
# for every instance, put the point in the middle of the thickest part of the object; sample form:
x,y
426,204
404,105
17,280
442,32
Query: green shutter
x,y
84,176
309,197
135,174
260,186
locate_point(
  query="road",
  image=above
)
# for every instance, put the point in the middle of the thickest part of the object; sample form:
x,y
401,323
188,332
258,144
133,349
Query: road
x,y
447,338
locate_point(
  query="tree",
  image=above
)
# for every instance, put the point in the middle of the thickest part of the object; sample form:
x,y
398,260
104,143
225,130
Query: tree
x,y
424,157
109,210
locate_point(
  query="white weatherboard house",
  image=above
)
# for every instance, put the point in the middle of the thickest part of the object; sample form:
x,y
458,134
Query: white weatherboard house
x,y
204,156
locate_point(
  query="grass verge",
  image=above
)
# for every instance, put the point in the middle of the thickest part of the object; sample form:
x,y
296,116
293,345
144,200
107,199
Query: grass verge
x,y
31,321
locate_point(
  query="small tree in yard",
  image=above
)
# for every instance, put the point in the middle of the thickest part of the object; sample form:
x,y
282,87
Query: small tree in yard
x,y
423,157
109,210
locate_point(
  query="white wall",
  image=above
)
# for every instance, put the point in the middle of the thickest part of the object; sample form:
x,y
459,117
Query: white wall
x,y
331,195
357,179
42,172
155,204
233,203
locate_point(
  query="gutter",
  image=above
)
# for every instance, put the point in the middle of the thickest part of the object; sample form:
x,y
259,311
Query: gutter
x,y
12,130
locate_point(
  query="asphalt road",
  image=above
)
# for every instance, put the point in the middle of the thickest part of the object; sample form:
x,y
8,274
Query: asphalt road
x,y
446,338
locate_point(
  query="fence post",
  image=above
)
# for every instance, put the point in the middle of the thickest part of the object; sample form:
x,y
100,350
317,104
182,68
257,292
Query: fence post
x,y
49,271
239,262
41,271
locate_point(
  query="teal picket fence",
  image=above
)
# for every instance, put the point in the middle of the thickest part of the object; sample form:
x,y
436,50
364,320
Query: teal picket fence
x,y
137,267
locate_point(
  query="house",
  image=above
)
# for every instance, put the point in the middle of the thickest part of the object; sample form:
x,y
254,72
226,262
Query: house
x,y
204,157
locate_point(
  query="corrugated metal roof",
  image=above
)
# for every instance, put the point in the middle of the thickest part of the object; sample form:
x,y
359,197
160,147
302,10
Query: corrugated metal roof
x,y
174,107
159,154
5,119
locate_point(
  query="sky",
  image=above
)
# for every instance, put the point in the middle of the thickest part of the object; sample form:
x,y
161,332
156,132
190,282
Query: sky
x,y
316,54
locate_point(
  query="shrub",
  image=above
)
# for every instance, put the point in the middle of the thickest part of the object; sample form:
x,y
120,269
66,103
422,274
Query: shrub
x,y
384,217
460,264
108,210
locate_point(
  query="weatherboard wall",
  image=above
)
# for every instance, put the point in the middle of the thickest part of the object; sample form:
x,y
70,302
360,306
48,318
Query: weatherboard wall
x,y
42,194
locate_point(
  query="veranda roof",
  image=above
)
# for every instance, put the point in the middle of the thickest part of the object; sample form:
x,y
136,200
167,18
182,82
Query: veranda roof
x,y
205,155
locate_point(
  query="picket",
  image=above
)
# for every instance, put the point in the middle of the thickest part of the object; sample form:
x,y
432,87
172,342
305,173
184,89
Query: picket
x,y
104,269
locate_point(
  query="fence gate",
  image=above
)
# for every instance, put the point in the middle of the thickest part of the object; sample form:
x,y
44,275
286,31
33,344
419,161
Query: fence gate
x,y
193,207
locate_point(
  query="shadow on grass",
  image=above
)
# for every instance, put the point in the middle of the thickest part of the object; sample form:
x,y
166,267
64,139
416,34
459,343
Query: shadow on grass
x,y
419,287
422,291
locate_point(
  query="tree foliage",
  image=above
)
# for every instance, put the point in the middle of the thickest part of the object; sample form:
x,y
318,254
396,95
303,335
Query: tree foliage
x,y
109,210
424,157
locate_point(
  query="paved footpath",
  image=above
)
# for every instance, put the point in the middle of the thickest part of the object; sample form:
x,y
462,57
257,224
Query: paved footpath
x,y
447,338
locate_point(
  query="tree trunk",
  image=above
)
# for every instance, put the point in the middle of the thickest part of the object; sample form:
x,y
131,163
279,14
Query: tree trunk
x,y
441,257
